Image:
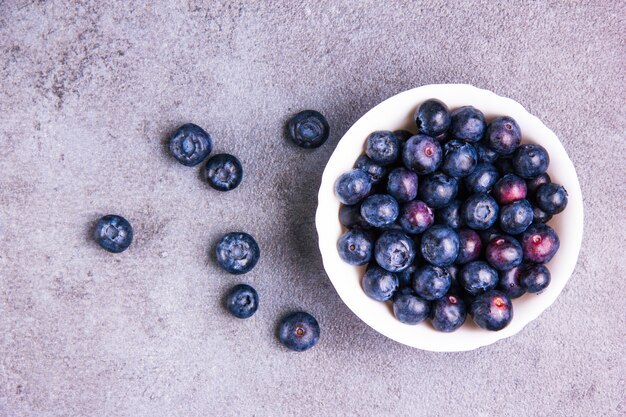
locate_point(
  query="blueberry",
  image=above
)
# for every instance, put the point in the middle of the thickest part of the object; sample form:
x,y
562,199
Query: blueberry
x,y
403,136
459,158
509,189
410,309
533,184
432,117
237,252
504,166
382,147
468,124
486,155
405,277
113,233
442,138
431,282
516,217
448,313
504,252
402,184
450,215
530,161
242,301
509,282
416,217
224,172
479,211
540,216
379,284
535,278
551,198
488,234
350,216
394,251
503,135
482,179
470,246
492,310
299,331
380,210
438,190
422,154
539,243
355,247
478,277
353,186
375,171
440,245
190,144
308,129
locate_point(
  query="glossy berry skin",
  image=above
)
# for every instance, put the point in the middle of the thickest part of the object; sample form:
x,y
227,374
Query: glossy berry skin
x,y
375,171
394,251
533,184
509,189
350,216
479,211
482,179
422,154
410,309
190,144
459,158
379,284
440,245
355,247
438,190
492,310
486,155
431,282
242,301
450,215
551,198
299,331
403,136
432,117
382,147
114,233
539,243
503,135
477,277
353,186
504,252
416,217
516,217
380,210
224,172
402,184
540,216
470,246
237,252
535,278
509,283
308,129
530,160
468,124
448,313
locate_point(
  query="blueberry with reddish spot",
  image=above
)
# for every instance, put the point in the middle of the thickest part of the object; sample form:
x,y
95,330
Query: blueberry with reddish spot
x,y
470,246
350,216
432,117
448,313
190,144
509,282
516,217
355,247
530,160
394,251
533,184
468,124
535,278
308,129
376,172
438,190
539,243
224,172
409,308
422,154
509,189
482,179
380,209
477,277
551,198
415,217
503,135
114,233
299,331
402,184
492,310
504,252
431,282
353,186
450,215
459,158
382,147
479,211
242,301
440,245
379,284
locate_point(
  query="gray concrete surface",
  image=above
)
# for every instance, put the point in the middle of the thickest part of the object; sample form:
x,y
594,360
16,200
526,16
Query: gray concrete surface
x,y
91,89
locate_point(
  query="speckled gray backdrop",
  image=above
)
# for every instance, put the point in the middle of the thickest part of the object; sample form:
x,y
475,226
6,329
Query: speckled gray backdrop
x,y
89,92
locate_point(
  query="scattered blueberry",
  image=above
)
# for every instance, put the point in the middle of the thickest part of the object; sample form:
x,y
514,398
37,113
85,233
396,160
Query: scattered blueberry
x,y
375,171
509,188
410,309
448,313
379,284
431,282
353,186
509,283
530,160
503,135
551,198
482,179
380,210
355,247
533,184
382,147
237,252
479,211
114,233
422,154
438,190
450,215
486,155
308,129
190,144
477,277
459,158
468,124
440,245
432,117
350,216
504,252
492,310
534,278
516,217
470,246
224,172
539,243
402,185
394,251
299,331
242,301
415,217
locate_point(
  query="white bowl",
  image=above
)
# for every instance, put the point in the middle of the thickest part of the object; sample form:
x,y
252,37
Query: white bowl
x,y
397,113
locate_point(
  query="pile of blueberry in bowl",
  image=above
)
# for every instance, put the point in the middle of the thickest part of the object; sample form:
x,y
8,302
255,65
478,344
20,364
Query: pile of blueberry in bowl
x,y
448,220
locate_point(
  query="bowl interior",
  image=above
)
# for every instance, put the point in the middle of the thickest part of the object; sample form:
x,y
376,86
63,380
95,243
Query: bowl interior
x,y
397,113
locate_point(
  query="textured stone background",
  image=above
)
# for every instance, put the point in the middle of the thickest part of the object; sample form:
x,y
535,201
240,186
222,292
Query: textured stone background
x,y
91,89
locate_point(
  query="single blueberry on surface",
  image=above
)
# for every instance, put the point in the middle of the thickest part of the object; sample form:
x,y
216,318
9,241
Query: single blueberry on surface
x,y
477,277
459,158
516,217
486,155
492,310
416,217
503,135
479,211
504,252
402,184
355,247
422,154
237,252
530,160
353,186
379,284
350,216
114,233
224,172
551,198
509,282
448,313
440,245
308,129
382,147
468,124
438,190
432,117
190,144
470,246
539,243
380,209
482,179
375,171
509,189
410,309
450,215
403,136
299,331
540,216
431,282
394,251
534,278
242,301
533,184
